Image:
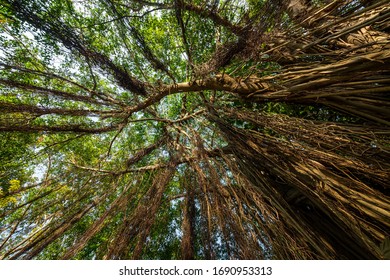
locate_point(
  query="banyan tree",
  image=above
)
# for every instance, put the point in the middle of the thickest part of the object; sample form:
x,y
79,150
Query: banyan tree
x,y
177,129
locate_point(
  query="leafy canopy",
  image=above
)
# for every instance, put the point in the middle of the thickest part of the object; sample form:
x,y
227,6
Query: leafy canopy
x,y
194,129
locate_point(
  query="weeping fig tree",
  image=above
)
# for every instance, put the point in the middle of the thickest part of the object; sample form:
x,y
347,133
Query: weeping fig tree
x,y
179,129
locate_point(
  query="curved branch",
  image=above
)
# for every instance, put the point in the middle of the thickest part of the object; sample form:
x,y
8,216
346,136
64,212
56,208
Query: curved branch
x,y
47,91
70,128
37,110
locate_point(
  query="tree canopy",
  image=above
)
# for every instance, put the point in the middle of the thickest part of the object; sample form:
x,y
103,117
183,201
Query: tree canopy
x,y
206,129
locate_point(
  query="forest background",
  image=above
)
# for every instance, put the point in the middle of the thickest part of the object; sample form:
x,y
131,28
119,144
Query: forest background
x,y
194,129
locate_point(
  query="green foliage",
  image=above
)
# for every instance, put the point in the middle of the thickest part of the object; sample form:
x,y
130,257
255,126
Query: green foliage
x,y
16,150
99,98
310,112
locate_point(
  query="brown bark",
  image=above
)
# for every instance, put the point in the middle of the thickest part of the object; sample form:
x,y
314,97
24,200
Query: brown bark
x,y
187,242
137,225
